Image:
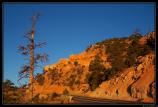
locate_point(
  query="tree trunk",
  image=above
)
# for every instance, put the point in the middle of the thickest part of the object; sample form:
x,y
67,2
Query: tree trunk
x,y
31,78
31,60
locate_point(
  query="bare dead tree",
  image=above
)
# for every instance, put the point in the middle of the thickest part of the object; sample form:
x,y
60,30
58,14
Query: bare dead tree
x,y
27,70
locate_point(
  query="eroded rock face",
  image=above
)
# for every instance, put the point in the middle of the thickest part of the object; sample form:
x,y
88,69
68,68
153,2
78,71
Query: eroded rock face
x,y
139,89
138,93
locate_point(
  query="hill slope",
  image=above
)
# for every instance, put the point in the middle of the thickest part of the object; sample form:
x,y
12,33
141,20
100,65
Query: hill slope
x,y
118,68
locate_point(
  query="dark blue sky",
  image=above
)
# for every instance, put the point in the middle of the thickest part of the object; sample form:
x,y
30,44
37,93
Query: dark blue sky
x,y
69,28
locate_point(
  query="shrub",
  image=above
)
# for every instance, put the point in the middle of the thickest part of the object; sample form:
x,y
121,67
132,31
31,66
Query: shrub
x,y
151,43
69,62
40,79
135,37
11,93
93,81
97,75
95,65
65,91
87,77
131,60
109,73
54,75
146,49
135,50
88,48
8,83
79,69
77,82
71,80
36,99
53,95
75,63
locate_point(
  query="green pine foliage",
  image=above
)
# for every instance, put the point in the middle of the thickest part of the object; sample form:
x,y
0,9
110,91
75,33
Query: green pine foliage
x,y
97,73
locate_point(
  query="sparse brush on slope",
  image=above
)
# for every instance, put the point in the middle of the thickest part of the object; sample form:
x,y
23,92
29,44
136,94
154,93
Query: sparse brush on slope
x,y
121,55
11,93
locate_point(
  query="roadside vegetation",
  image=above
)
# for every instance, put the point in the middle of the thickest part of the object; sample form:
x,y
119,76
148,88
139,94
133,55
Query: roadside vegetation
x,y
12,94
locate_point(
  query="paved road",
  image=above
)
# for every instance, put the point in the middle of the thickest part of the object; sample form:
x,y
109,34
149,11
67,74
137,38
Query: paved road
x,y
90,100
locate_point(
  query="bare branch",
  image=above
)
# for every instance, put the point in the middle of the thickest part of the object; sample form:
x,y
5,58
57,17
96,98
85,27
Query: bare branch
x,y
25,53
35,17
24,73
25,69
41,58
40,44
23,50
28,35
45,57
39,66
24,76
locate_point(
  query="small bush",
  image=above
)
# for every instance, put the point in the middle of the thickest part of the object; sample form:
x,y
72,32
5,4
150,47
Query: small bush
x,y
93,81
69,62
146,49
75,63
53,95
88,48
95,65
97,75
77,82
151,42
65,91
54,75
131,60
79,69
135,37
109,73
40,79
11,93
71,80
36,99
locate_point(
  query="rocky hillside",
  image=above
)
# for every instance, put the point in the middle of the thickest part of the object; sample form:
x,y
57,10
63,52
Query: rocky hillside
x,y
117,68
